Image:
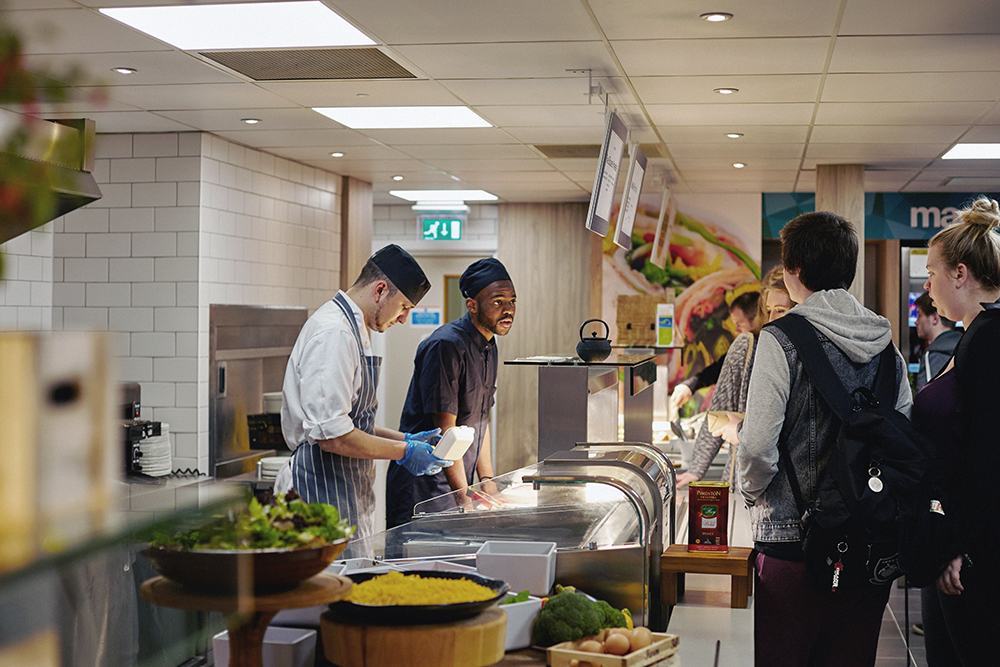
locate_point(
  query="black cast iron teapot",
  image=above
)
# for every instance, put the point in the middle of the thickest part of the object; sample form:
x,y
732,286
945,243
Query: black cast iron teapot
x,y
594,348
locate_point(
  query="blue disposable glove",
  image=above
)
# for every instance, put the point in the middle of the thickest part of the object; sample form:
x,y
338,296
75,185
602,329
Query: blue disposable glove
x,y
420,461
431,437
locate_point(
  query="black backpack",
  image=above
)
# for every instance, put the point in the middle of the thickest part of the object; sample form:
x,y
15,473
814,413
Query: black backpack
x,y
872,518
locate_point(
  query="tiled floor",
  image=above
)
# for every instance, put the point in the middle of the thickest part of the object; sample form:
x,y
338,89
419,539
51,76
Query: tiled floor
x,y
892,651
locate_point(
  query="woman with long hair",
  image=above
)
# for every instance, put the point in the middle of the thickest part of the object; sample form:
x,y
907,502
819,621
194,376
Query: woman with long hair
x,y
734,378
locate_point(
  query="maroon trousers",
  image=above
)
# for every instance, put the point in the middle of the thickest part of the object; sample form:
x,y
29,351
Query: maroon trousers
x,y
797,623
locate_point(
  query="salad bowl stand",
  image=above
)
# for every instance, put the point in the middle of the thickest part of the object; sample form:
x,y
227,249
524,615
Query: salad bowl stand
x,y
248,613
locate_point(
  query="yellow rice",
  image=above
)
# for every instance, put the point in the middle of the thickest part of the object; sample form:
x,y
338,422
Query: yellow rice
x,y
395,588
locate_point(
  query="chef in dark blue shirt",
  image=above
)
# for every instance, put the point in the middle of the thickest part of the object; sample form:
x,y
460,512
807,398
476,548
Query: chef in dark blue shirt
x,y
454,383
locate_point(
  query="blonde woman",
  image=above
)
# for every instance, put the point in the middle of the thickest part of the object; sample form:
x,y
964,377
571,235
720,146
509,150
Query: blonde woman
x,y
734,378
958,409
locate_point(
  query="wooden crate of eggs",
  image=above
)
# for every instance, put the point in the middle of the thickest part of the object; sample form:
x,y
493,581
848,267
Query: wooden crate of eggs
x,y
616,647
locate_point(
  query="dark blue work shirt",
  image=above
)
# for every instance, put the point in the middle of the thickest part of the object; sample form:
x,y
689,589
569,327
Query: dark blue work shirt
x,y
454,371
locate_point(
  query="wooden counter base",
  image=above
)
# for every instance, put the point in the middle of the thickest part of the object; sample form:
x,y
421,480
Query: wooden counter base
x,y
677,560
475,642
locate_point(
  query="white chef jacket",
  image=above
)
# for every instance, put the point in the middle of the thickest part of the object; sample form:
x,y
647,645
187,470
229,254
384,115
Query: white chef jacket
x,y
323,376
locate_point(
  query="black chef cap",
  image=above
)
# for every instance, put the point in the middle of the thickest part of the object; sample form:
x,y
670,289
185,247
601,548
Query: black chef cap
x,y
404,272
480,274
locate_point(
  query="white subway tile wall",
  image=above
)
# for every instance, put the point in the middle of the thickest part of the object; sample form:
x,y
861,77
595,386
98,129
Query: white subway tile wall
x,y
186,220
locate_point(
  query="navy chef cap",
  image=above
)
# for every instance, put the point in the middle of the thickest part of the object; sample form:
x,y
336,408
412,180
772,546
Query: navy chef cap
x,y
404,272
480,274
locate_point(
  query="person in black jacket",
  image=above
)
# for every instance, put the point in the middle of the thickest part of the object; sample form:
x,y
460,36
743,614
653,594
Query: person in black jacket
x,y
941,337
959,411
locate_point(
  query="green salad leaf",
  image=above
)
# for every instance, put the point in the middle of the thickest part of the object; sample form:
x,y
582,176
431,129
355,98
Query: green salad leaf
x,y
284,523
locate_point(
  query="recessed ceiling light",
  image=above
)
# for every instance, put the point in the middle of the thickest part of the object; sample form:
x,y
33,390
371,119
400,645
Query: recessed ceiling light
x,y
362,94
716,17
734,135
336,154
440,196
124,70
973,152
250,121
383,118
738,165
397,178
252,25
727,91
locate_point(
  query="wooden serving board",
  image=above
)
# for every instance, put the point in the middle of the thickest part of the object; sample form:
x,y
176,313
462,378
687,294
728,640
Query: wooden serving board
x,y
474,642
663,651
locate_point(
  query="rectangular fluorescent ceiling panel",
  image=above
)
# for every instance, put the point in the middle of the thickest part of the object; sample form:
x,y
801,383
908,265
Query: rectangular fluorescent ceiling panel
x,y
396,118
256,25
973,152
442,196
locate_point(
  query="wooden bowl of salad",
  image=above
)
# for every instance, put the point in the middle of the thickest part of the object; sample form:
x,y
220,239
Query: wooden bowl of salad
x,y
267,547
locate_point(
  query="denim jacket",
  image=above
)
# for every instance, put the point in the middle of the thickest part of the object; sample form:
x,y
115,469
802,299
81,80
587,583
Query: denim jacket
x,y
783,402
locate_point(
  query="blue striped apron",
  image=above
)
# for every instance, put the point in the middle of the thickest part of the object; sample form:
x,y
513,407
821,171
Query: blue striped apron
x,y
342,481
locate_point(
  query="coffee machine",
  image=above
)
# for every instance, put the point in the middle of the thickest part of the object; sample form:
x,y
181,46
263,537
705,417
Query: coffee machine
x,y
136,431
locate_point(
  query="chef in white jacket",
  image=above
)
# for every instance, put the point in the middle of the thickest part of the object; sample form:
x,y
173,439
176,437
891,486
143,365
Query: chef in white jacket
x,y
328,397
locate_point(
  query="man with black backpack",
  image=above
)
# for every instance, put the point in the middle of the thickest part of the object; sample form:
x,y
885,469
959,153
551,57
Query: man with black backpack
x,y
801,616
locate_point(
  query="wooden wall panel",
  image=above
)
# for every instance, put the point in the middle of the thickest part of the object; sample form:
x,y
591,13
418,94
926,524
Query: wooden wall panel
x,y
355,229
840,189
548,253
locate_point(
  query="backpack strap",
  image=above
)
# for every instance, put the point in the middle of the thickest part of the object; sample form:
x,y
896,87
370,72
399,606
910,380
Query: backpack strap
x,y
815,362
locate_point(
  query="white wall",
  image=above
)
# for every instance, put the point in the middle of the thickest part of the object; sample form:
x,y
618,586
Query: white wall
x,y
186,220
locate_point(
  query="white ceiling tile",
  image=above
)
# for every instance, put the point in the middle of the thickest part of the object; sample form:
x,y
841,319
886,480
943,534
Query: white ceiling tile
x,y
518,60
418,137
916,53
725,166
152,68
873,151
555,115
730,115
736,151
752,88
643,19
474,151
573,89
940,87
887,134
441,21
127,121
74,31
752,134
701,57
983,134
901,113
905,17
412,92
234,96
305,123
454,165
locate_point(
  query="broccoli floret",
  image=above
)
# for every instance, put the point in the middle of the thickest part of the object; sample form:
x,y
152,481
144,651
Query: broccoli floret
x,y
612,617
567,617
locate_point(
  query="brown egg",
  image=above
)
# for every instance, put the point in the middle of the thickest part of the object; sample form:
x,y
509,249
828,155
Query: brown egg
x,y
591,646
616,644
641,638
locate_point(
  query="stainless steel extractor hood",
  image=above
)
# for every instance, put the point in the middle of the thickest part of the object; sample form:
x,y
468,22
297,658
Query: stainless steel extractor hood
x,y
65,151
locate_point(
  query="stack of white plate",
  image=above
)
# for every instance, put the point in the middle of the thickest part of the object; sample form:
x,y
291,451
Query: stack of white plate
x,y
270,465
156,458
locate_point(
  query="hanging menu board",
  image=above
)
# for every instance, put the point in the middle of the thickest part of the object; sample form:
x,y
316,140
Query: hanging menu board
x,y
664,225
606,181
630,203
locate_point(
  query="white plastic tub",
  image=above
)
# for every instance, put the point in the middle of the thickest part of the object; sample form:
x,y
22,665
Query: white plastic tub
x,y
283,647
520,619
529,566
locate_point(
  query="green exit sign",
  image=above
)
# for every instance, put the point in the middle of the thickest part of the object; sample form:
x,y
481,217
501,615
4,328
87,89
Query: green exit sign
x,y
442,229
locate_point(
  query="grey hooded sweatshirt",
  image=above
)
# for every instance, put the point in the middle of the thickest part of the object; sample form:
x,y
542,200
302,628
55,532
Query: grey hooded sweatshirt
x,y
852,337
